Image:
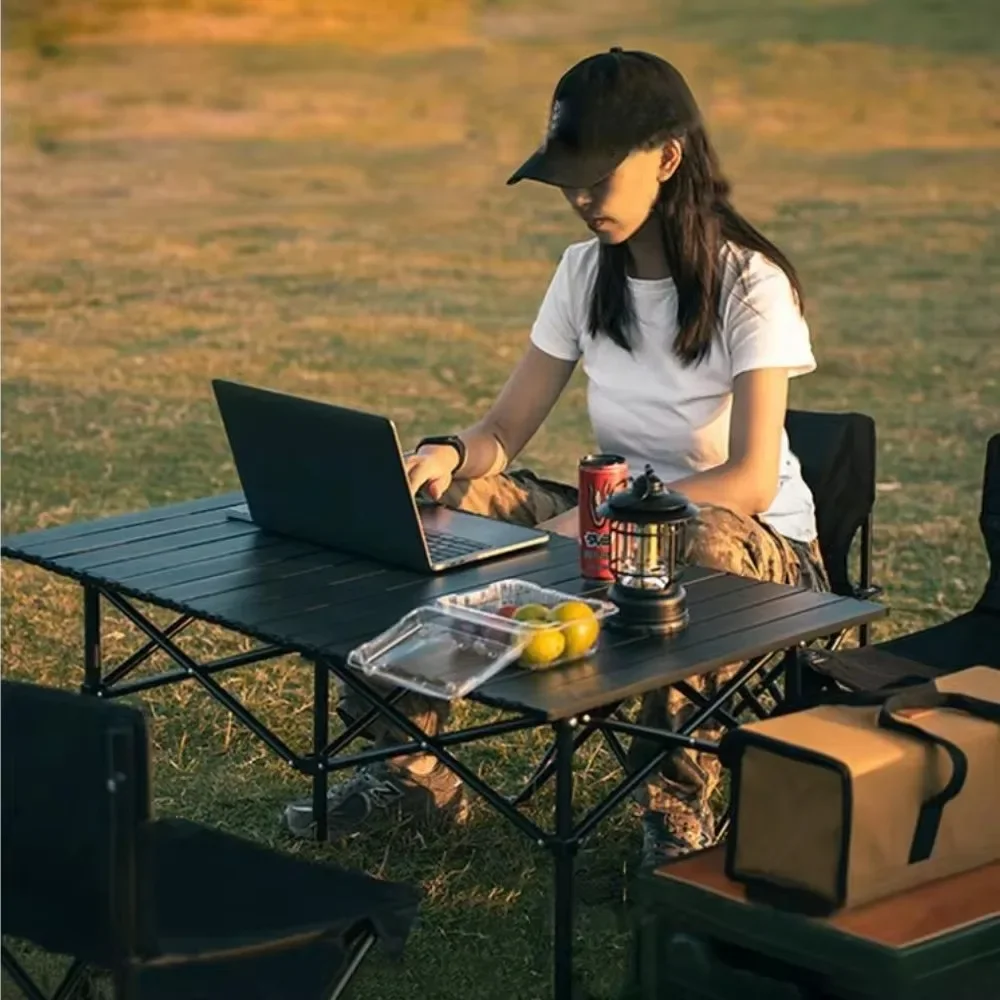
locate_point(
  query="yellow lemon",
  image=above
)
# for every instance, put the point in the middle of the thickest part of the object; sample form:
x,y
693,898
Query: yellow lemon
x,y
532,613
580,627
571,610
545,646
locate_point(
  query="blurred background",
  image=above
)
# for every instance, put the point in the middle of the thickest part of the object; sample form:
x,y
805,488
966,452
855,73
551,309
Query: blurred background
x,y
310,196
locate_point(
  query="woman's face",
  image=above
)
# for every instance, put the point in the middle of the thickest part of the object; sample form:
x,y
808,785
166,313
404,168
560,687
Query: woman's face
x,y
614,209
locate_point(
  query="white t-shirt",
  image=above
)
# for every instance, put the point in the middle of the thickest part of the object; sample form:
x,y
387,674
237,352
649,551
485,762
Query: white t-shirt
x,y
646,405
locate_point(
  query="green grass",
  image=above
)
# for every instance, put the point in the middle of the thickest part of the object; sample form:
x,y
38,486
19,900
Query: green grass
x,y
327,215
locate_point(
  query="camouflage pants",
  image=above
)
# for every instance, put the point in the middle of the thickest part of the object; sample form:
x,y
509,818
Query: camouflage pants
x,y
722,539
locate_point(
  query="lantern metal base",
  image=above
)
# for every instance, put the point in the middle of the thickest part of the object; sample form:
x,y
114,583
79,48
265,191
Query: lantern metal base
x,y
653,612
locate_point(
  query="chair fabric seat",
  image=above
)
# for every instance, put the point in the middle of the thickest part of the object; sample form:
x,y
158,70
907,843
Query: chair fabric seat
x,y
200,900
970,640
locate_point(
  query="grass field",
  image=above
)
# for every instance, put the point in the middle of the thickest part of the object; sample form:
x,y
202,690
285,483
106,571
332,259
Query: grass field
x,y
311,196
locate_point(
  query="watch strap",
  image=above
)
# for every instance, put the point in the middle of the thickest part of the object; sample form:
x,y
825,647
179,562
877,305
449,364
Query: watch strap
x,y
452,440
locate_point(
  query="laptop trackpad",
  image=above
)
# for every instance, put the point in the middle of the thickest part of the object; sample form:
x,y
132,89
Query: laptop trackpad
x,y
480,529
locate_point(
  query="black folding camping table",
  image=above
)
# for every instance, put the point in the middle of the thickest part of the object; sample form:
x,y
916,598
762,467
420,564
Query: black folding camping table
x,y
295,597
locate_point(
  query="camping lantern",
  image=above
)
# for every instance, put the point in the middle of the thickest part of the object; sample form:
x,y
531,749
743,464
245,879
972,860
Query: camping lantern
x,y
648,529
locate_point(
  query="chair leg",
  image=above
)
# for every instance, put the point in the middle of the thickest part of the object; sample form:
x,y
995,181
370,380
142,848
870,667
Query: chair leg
x,y
864,631
360,948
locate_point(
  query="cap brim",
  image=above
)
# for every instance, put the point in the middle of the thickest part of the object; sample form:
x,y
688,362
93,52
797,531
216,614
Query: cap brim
x,y
562,167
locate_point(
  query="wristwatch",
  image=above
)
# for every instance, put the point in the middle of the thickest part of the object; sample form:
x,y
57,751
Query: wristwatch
x,y
452,440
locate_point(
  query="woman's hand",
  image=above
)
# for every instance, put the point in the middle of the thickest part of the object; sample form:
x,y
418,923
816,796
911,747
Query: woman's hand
x,y
526,399
567,524
432,466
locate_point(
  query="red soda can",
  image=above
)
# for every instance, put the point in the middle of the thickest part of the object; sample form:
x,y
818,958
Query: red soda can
x,y
600,476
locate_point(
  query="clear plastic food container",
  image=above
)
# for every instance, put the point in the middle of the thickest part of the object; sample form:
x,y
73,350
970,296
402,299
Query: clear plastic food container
x,y
560,627
442,652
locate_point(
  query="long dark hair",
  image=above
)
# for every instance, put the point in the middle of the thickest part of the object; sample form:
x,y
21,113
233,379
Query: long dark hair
x,y
697,221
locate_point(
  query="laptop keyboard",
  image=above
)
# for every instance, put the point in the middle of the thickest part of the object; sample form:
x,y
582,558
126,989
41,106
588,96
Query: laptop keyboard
x,y
444,546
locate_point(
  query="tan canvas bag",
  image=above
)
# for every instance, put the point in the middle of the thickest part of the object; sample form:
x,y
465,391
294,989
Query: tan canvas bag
x,y
843,804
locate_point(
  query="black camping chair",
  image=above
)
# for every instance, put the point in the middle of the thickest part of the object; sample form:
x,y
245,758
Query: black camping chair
x,y
837,455
170,908
970,639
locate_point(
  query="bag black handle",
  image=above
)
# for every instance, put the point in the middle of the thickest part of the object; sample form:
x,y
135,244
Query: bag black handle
x,y
928,696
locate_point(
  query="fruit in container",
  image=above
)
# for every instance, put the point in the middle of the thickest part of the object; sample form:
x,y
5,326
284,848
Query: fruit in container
x,y
546,645
579,626
506,610
532,613
572,610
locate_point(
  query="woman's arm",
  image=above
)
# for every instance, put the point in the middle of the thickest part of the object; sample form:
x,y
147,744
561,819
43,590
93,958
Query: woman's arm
x,y
747,481
513,420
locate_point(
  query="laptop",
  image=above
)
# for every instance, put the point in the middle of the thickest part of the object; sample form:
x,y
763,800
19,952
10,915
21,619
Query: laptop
x,y
336,477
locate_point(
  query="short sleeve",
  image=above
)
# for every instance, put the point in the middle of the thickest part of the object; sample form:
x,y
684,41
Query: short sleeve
x,y
763,326
556,331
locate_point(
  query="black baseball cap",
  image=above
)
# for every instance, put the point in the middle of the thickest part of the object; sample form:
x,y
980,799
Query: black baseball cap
x,y
603,108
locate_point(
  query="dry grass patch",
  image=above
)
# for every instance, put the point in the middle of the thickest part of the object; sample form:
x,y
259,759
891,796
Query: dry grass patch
x,y
390,25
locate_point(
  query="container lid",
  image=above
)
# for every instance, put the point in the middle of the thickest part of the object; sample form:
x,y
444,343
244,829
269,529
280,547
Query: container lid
x,y
648,501
441,652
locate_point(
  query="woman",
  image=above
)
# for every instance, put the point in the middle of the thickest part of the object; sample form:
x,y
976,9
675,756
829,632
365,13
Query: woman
x,y
689,324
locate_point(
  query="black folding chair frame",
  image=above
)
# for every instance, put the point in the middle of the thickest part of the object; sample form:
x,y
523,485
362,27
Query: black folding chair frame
x,y
865,589
74,979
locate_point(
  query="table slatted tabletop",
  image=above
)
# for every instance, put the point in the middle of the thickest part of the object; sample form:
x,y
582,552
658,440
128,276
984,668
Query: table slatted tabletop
x,y
193,558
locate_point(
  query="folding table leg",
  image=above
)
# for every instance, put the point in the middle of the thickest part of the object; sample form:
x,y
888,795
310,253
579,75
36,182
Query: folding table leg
x,y
321,736
91,639
564,849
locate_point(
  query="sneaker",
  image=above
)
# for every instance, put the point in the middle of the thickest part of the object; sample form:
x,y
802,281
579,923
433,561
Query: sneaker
x,y
383,793
667,837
